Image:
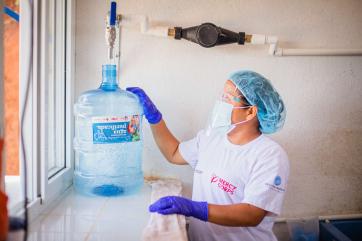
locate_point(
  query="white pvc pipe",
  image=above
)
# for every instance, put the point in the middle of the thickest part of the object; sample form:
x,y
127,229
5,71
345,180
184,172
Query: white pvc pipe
x,y
318,52
263,39
275,51
145,27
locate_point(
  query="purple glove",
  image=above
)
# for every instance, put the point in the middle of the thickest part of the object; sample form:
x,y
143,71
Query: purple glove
x,y
151,112
180,205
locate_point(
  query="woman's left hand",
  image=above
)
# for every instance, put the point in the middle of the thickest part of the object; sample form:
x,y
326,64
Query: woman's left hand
x,y
179,205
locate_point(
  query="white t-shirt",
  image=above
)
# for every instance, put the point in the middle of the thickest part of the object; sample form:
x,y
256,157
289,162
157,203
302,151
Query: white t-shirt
x,y
224,173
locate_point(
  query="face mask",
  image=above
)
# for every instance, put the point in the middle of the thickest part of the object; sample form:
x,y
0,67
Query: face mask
x,y
220,118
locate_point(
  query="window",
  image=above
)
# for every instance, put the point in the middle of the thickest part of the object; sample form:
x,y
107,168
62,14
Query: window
x,y
55,97
54,86
46,51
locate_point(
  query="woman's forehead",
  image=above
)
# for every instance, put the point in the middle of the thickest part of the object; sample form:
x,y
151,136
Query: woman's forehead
x,y
230,87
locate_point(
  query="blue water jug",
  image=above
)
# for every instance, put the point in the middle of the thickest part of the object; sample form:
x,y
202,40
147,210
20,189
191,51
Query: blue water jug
x,y
108,140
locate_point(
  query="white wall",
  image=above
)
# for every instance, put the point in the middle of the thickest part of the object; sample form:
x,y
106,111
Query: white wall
x,y
323,95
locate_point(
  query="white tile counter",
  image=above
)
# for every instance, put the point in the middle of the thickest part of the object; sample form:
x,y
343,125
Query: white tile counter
x,y
81,218
78,217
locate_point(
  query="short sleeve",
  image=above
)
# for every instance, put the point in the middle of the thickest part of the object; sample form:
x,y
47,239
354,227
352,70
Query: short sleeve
x,y
267,182
189,150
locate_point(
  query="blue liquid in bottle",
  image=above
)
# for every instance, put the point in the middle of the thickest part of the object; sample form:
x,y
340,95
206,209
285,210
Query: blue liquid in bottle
x,y
108,140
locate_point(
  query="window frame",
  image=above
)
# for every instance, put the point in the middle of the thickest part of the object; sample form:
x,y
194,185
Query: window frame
x,y
44,190
53,186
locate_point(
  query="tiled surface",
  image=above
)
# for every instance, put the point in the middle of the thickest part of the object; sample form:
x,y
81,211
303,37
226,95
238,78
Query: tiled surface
x,y
82,218
78,217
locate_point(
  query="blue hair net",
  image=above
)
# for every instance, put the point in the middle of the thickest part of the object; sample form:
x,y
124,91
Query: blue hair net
x,y
258,91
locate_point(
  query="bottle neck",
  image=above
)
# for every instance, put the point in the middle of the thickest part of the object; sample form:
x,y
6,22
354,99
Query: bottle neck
x,y
109,77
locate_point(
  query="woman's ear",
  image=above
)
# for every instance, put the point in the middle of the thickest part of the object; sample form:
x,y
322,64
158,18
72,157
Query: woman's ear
x,y
252,112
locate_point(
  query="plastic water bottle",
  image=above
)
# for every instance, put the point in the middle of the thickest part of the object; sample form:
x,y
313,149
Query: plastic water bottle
x,y
108,139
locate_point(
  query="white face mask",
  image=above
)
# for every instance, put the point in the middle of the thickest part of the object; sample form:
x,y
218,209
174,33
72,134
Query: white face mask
x,y
220,118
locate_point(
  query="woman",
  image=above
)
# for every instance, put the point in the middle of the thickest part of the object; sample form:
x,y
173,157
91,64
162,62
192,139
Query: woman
x,y
240,175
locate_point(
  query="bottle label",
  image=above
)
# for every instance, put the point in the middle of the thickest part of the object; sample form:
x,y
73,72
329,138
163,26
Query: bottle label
x,y
114,129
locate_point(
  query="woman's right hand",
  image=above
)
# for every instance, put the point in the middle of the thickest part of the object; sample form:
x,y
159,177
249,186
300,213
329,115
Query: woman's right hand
x,y
152,114
167,143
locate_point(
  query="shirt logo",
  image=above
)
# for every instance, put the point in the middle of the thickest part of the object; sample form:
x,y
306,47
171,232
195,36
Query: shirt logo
x,y
277,180
223,184
276,184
